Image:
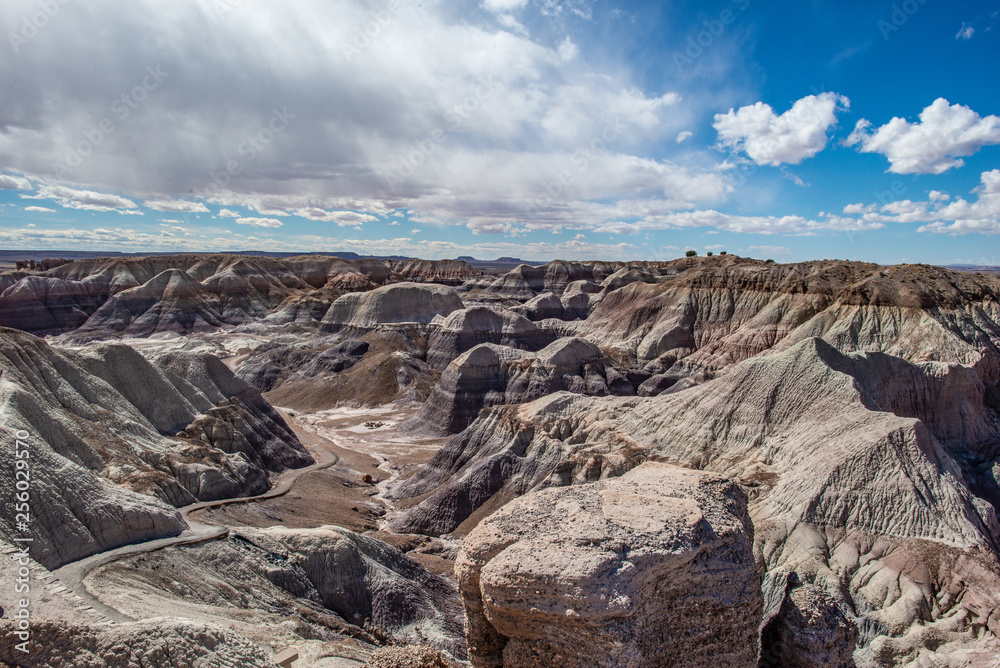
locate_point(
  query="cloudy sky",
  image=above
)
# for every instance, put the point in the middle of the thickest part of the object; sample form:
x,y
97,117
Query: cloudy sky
x,y
529,128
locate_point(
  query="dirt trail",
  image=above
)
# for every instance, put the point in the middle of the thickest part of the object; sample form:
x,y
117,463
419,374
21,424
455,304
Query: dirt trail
x,y
72,575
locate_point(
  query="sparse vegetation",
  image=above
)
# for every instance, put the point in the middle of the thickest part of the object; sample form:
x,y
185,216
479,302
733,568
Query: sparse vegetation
x,y
691,253
709,253
768,261
723,253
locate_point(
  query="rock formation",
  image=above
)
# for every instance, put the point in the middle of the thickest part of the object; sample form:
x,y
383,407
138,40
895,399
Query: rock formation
x,y
408,657
490,375
154,643
183,293
391,370
100,425
866,455
650,569
277,362
464,329
443,272
327,581
709,313
525,282
400,303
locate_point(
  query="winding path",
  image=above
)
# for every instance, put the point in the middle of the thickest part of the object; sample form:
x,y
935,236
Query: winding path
x,y
72,575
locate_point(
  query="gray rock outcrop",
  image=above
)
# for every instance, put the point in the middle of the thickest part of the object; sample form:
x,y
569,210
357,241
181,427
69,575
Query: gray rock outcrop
x,y
490,375
855,465
399,303
443,272
653,568
276,362
103,297
465,329
100,426
153,643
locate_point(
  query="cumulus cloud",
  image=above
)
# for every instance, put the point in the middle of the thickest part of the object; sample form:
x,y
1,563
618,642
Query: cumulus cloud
x,y
72,198
944,135
684,136
259,222
10,182
228,213
344,218
39,209
941,213
179,205
770,139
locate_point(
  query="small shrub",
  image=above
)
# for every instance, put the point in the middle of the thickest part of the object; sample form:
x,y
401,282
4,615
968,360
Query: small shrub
x,y
709,253
723,253
768,261
691,253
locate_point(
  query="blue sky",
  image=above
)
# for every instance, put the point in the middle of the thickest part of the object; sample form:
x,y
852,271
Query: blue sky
x,y
576,129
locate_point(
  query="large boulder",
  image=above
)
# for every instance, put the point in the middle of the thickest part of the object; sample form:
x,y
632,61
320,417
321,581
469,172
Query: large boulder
x,y
653,568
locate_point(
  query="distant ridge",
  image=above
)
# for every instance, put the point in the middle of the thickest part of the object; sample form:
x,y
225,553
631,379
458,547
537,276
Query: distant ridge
x,y
9,257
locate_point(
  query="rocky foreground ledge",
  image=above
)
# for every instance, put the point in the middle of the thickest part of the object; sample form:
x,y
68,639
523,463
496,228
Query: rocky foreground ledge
x,y
654,568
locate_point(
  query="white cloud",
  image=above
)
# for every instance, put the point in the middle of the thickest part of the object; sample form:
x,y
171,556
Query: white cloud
x,y
944,135
504,5
684,136
415,231
72,198
940,213
228,213
259,222
771,251
857,209
501,99
394,223
39,209
965,32
179,205
568,50
770,139
10,182
617,228
343,218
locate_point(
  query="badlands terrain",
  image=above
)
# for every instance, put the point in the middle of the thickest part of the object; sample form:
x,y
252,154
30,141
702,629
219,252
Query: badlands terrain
x,y
312,461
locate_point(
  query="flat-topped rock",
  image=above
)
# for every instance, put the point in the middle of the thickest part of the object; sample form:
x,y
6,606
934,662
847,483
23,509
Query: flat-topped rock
x,y
653,568
391,304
